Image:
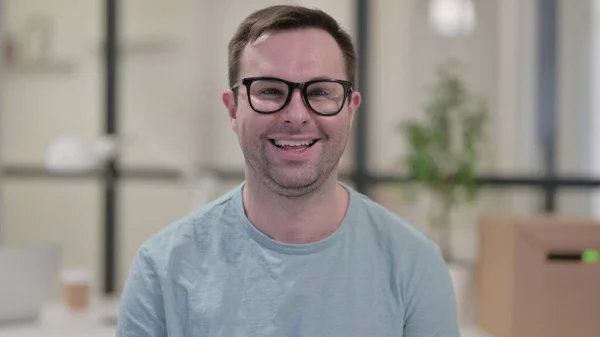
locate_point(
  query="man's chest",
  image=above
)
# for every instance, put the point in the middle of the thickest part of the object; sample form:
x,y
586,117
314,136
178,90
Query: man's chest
x,y
286,300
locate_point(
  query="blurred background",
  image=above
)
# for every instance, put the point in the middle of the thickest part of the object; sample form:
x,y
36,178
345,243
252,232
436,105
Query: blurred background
x,y
112,125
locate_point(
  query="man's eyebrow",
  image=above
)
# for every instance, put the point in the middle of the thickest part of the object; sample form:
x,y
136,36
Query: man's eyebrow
x,y
321,78
318,78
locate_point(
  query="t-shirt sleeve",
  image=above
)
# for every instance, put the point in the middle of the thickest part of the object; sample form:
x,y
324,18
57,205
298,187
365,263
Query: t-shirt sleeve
x,y
431,304
142,310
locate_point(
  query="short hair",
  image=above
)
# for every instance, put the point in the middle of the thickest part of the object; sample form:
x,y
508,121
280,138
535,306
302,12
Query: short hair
x,y
287,17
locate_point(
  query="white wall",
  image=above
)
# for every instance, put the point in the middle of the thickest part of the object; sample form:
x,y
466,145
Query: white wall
x,y
594,119
574,110
1,75
41,105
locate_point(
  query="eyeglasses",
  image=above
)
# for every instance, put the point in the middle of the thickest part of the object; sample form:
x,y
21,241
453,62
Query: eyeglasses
x,y
269,95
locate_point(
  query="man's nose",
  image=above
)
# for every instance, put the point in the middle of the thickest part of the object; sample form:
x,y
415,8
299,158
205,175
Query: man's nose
x,y
297,112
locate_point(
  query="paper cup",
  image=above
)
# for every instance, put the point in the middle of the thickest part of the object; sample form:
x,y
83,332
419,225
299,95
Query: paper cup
x,y
76,286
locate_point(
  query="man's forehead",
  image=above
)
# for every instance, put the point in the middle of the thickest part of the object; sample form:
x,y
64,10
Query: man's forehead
x,y
293,51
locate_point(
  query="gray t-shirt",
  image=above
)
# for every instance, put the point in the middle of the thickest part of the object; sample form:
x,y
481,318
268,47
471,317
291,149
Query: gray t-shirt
x,y
214,274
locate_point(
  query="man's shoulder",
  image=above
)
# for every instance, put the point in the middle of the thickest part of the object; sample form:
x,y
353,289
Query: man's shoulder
x,y
392,226
185,231
405,245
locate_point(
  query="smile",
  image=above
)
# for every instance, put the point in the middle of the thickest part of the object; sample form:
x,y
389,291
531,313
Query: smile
x,y
291,144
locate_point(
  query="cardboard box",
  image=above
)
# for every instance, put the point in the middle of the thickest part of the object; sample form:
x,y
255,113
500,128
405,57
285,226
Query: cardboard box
x,y
533,280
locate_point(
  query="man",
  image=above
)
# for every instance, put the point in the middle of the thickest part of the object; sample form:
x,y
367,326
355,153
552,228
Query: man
x,y
292,251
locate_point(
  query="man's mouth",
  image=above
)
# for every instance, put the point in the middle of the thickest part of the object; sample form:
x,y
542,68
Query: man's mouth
x,y
293,145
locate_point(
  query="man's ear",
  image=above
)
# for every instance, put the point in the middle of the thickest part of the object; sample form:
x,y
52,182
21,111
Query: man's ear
x,y
353,104
228,98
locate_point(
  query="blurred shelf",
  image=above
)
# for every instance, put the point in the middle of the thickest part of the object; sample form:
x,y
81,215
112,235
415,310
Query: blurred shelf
x,y
43,67
36,171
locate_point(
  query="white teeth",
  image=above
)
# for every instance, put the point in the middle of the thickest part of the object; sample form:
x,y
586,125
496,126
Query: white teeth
x,y
294,143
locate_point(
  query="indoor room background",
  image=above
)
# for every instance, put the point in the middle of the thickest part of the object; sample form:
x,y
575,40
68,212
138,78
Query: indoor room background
x,y
172,69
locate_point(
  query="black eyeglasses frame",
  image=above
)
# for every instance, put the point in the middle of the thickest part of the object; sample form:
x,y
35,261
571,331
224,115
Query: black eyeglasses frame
x,y
302,86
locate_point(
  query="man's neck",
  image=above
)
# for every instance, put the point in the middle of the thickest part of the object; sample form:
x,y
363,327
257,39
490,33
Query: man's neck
x,y
302,220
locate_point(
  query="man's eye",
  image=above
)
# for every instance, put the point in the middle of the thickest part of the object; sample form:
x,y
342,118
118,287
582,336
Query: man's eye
x,y
318,92
271,92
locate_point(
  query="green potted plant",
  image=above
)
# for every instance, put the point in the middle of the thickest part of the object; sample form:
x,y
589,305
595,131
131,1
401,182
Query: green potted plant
x,y
444,149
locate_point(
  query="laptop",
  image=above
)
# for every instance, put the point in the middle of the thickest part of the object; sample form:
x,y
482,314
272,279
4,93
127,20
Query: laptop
x,y
28,274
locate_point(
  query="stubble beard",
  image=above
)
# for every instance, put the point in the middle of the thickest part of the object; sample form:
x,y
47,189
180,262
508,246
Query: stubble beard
x,y
302,185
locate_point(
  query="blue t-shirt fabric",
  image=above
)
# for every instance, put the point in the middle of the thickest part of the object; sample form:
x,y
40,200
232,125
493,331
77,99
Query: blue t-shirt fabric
x,y
212,273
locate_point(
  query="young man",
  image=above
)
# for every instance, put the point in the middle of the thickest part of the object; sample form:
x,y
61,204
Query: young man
x,y
292,251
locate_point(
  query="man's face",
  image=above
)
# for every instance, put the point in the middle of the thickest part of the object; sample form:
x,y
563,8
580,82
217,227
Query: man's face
x,y
298,56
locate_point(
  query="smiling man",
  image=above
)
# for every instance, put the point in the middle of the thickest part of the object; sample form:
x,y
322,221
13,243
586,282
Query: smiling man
x,y
291,251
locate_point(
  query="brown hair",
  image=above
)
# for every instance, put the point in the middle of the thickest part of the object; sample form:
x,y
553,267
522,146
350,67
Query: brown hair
x,y
283,17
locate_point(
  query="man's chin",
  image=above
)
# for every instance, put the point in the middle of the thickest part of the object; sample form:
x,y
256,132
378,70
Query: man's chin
x,y
295,185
